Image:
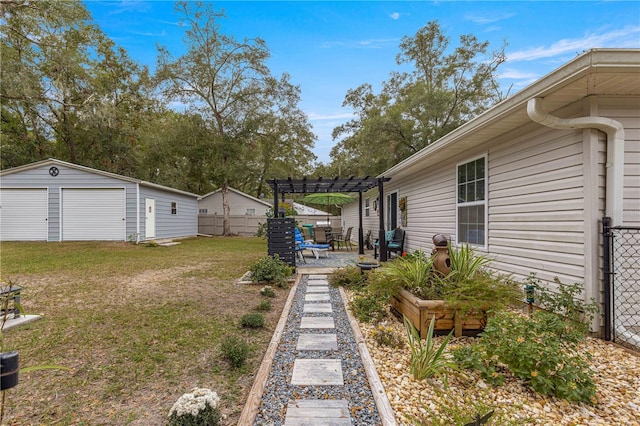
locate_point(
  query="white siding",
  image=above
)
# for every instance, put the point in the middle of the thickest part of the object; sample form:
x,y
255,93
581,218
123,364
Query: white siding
x,y
536,205
238,204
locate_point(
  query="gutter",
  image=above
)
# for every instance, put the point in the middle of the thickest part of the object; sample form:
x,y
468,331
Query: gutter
x,y
615,151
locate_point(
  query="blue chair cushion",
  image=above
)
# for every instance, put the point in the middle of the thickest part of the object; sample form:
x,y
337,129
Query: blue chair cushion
x,y
393,245
388,235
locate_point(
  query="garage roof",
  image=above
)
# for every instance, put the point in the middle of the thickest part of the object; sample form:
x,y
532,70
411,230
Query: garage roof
x,y
55,162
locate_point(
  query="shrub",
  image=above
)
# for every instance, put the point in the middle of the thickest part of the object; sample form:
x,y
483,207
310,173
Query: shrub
x,y
267,291
542,350
271,269
349,276
368,307
566,302
252,320
264,305
386,336
412,272
196,408
235,350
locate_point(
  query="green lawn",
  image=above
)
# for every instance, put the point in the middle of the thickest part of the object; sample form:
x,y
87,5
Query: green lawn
x,y
138,326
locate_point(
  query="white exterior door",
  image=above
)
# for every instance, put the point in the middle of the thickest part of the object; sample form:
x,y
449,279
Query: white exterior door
x,y
150,218
23,214
93,214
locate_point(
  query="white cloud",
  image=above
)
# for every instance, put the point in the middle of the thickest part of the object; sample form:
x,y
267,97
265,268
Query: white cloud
x,y
517,74
483,20
395,16
150,34
624,37
362,44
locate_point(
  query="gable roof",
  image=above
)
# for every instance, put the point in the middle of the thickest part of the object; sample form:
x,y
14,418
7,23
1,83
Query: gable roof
x,y
595,72
55,162
242,194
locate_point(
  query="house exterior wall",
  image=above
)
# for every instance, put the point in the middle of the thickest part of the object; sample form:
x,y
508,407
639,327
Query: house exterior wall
x,y
168,225
545,199
238,204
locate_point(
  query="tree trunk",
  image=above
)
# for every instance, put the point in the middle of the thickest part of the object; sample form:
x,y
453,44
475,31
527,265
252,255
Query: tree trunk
x,y
226,223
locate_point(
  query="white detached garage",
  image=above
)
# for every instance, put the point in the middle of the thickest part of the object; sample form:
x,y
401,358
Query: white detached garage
x,y
52,200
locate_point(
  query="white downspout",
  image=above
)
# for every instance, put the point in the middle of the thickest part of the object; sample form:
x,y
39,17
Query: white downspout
x,y
614,168
615,151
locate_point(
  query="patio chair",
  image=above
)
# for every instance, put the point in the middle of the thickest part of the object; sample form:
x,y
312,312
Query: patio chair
x,y
321,236
345,239
395,242
306,233
316,249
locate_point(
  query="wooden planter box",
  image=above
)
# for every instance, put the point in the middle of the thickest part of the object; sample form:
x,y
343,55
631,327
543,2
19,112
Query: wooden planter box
x,y
420,312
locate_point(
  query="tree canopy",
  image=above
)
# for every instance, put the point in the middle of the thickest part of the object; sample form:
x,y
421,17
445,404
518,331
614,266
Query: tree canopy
x,y
445,88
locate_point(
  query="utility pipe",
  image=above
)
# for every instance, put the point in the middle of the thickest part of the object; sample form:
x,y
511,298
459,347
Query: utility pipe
x,y
614,169
615,151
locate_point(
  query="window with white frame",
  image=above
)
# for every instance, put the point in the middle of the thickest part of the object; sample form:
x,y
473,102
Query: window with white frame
x,y
203,211
472,202
251,212
174,207
366,207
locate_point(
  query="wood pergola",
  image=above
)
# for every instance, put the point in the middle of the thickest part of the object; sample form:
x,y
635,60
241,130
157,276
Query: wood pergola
x,y
325,185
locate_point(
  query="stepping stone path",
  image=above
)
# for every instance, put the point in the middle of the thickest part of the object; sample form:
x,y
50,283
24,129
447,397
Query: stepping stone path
x,y
317,371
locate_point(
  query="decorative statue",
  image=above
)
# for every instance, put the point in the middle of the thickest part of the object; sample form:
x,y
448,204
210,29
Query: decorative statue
x,y
441,260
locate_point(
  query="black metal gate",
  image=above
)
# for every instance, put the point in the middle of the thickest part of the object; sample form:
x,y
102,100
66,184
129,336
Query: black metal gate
x,y
621,250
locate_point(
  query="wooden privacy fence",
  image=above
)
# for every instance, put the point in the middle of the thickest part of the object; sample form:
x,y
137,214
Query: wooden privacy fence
x,y
247,226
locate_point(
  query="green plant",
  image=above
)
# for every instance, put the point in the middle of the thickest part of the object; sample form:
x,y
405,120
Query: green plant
x,y
252,320
386,336
464,408
348,276
426,359
566,302
235,350
368,307
485,291
541,349
271,269
465,263
267,291
412,272
196,408
264,305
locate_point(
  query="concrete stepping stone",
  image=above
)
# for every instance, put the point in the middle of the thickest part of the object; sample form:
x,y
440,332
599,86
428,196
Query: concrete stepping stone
x,y
317,372
317,322
318,289
317,308
317,412
317,277
317,282
317,342
319,297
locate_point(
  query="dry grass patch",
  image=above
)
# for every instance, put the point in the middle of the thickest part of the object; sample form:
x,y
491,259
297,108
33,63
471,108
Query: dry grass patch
x,y
138,326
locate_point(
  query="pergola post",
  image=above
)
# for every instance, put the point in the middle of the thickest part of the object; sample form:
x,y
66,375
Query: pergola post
x,y
275,198
360,234
382,241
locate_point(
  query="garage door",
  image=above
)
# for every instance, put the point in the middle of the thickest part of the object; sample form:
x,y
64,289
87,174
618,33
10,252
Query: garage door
x,y
23,214
93,214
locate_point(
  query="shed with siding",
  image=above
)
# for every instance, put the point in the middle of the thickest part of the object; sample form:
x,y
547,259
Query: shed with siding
x,y
52,200
528,181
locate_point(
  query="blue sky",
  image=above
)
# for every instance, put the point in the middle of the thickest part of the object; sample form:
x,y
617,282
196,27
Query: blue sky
x,y
329,47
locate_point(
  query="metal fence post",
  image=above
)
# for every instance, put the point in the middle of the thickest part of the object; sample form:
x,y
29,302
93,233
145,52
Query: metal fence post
x,y
606,268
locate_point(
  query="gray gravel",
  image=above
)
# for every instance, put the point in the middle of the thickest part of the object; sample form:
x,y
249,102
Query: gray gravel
x,y
279,391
